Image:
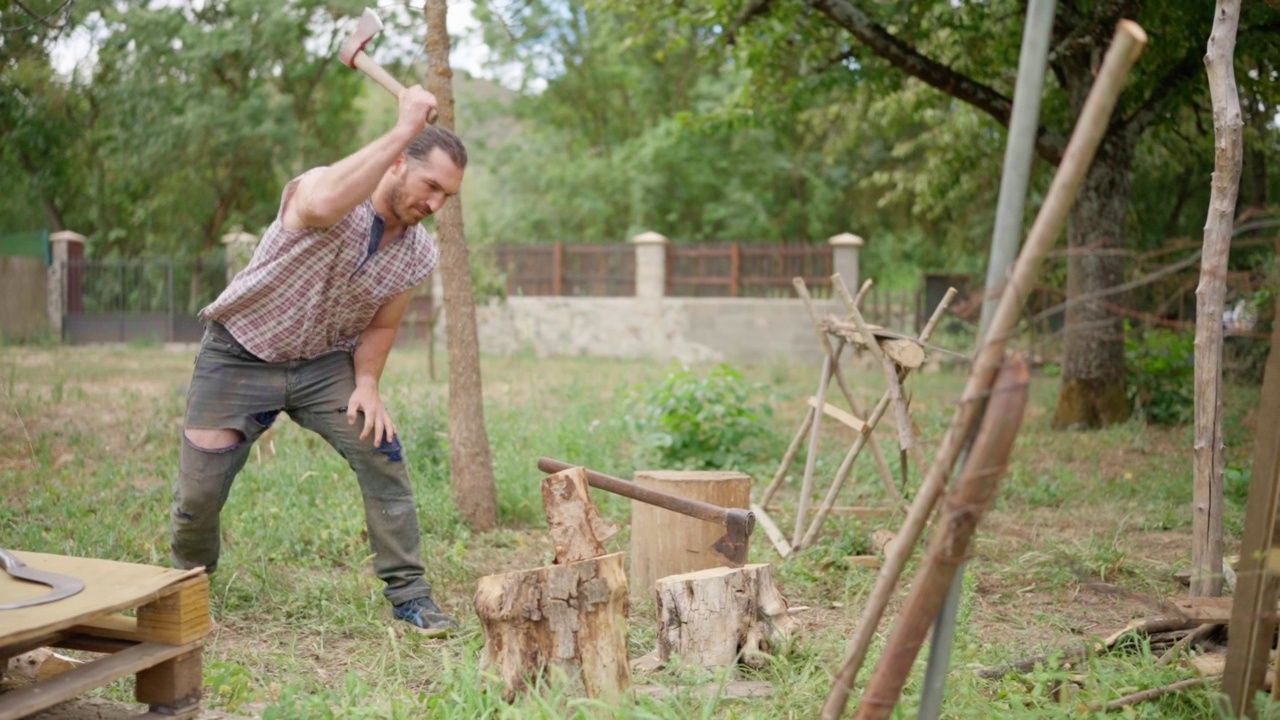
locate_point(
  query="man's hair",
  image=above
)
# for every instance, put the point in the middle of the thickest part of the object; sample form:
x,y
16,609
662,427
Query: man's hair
x,y
437,137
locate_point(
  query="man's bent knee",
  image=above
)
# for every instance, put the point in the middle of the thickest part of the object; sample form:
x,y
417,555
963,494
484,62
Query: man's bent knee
x,y
213,440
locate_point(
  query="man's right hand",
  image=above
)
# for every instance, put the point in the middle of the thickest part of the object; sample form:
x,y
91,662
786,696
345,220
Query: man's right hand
x,y
417,108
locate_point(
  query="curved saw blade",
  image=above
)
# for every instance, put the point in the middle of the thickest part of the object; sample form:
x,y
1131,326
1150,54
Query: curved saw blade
x,y
63,586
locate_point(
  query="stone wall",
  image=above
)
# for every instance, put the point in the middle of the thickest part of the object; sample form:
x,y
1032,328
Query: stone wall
x,y
23,292
735,330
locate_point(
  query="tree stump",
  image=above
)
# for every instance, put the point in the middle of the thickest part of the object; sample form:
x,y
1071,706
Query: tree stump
x,y
711,618
572,617
667,543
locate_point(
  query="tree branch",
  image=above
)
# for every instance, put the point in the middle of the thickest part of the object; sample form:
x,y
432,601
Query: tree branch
x,y
880,41
753,9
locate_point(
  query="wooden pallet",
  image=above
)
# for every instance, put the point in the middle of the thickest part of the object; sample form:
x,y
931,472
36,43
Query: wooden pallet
x,y
160,642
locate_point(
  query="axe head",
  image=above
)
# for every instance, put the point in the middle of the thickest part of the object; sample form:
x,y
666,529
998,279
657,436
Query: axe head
x,y
736,541
368,26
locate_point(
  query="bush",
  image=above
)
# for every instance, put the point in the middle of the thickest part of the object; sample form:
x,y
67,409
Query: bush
x,y
1161,375
698,423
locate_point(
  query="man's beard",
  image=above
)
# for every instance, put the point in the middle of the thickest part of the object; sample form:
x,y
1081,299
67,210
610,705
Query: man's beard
x,y
404,213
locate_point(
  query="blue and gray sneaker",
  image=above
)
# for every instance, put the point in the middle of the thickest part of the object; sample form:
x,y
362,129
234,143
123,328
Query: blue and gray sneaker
x,y
425,615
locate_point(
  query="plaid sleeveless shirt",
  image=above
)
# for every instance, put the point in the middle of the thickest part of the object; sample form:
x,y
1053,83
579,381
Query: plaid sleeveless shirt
x,y
313,291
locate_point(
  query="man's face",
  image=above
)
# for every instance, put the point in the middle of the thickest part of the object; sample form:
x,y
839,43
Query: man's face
x,y
423,186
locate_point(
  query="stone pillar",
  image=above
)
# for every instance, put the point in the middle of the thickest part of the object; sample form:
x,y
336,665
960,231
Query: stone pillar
x,y
651,264
237,251
64,287
844,258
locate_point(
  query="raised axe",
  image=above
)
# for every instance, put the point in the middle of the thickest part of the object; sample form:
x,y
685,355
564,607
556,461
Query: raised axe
x,y
738,523
353,55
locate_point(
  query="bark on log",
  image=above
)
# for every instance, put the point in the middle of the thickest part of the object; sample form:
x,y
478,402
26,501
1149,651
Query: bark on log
x,y
572,617
574,522
714,618
667,543
1210,458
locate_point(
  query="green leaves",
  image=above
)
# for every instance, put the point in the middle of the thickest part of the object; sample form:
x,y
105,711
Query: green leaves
x,y
698,423
1161,366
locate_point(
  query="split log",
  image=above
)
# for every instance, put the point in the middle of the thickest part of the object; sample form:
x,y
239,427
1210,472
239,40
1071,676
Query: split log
x,y
714,618
40,664
572,617
573,521
664,542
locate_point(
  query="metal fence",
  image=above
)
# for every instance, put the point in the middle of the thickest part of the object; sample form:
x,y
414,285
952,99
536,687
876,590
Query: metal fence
x,y
138,300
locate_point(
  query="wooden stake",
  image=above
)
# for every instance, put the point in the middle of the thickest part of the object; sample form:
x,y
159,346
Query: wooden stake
x,y
771,530
1126,46
886,475
872,420
806,488
964,508
1210,458
787,459
906,439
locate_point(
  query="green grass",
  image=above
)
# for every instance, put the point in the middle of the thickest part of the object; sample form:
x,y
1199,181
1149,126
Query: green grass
x,y
88,449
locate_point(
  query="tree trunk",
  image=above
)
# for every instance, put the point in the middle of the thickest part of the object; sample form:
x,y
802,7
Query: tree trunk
x,y
714,618
1210,461
569,617
470,461
1092,393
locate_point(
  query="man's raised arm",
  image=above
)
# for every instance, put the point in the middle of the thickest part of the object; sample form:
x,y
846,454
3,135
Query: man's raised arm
x,y
325,197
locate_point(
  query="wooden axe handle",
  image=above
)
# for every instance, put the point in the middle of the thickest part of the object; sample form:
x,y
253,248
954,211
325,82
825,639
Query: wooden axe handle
x,y
366,64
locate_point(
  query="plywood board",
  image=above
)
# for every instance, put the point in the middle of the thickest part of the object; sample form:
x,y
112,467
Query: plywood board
x,y
109,586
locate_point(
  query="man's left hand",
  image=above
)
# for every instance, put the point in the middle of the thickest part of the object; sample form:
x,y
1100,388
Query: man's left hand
x,y
365,400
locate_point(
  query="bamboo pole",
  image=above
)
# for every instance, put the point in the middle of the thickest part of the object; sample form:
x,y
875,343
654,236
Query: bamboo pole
x,y
1126,46
1210,458
964,508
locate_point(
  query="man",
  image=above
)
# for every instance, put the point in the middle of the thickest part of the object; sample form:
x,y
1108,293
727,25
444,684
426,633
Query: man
x,y
306,328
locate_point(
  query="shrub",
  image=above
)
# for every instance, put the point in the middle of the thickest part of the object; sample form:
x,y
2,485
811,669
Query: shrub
x,y
698,423
1161,375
